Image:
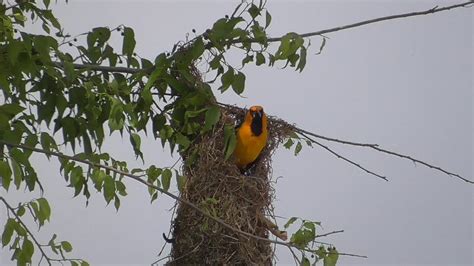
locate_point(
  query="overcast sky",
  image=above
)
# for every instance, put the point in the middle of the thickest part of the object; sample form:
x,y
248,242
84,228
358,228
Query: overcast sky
x,y
406,85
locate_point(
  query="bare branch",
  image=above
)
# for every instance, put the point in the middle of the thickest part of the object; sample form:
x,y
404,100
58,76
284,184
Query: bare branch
x,y
344,158
433,10
150,185
302,131
423,163
378,148
330,233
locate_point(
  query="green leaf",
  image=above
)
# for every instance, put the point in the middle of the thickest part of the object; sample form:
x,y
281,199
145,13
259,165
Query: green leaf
x,y
227,79
288,143
305,261
116,202
6,174
135,140
128,41
198,48
121,188
153,173
248,58
260,59
215,62
268,19
166,178
298,148
27,250
254,11
182,140
290,222
17,173
332,257
19,156
101,35
8,231
289,44
230,141
20,230
44,208
66,246
213,115
304,235
21,210
48,14
109,188
98,177
11,109
154,195
181,182
153,77
30,141
321,252
302,62
238,84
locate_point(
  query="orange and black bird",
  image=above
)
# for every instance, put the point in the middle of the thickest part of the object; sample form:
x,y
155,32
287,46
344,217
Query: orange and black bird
x,y
252,137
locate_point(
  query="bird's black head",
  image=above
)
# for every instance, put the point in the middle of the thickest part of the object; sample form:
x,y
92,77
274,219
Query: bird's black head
x,y
256,112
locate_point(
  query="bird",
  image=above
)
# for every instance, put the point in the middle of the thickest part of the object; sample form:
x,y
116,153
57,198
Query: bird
x,y
252,136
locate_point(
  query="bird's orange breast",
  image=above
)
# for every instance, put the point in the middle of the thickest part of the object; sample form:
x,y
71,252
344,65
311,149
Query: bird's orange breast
x,y
249,146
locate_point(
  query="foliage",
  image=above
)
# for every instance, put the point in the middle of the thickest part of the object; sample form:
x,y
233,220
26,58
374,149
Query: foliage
x,y
55,95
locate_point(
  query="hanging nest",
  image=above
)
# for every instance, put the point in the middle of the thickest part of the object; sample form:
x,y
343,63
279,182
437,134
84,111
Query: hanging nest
x,y
216,186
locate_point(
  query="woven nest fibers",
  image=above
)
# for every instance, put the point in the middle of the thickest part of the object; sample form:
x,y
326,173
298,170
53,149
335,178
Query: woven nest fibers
x,y
217,187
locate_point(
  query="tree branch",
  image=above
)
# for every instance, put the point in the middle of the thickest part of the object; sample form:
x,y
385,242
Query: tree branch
x,y
433,10
343,158
330,233
40,247
378,148
104,68
177,198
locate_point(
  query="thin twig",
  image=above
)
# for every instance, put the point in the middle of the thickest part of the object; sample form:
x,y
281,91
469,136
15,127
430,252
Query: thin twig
x,y
343,158
104,68
12,6
378,148
330,233
423,163
297,260
148,184
12,210
300,130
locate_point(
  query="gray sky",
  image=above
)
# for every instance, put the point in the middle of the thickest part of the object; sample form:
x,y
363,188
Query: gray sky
x,y
406,85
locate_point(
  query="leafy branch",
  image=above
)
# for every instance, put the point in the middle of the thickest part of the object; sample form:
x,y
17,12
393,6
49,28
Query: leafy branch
x,y
24,253
430,11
